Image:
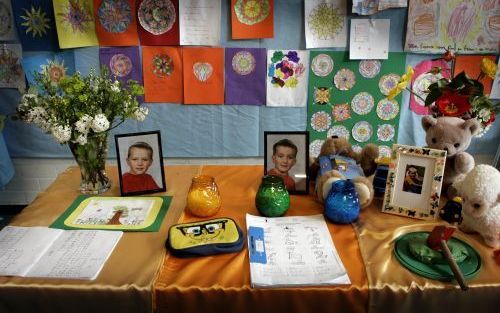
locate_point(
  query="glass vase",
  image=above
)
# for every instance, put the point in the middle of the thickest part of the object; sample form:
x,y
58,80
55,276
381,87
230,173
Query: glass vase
x,y
203,199
91,158
272,198
342,203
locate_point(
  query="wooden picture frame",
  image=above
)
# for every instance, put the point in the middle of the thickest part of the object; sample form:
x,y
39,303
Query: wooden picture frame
x,y
296,175
138,175
414,180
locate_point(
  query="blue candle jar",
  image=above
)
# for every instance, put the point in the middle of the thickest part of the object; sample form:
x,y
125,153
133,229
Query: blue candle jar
x,y
342,203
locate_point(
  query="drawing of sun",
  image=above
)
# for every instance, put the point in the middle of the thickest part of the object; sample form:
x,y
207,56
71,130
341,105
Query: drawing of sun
x,y
55,70
35,21
325,21
77,15
251,12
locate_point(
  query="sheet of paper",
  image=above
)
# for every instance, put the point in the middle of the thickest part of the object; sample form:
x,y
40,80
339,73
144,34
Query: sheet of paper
x,y
7,31
78,254
22,247
325,23
293,251
369,39
200,22
368,7
495,87
12,75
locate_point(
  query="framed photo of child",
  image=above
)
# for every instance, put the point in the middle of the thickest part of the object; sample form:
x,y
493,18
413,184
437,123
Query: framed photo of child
x,y
140,163
286,154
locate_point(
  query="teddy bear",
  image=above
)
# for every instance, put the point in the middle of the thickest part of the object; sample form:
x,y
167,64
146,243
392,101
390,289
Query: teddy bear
x,y
336,146
480,193
453,135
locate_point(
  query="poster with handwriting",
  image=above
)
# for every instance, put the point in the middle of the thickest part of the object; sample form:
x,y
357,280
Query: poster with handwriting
x,y
199,22
369,39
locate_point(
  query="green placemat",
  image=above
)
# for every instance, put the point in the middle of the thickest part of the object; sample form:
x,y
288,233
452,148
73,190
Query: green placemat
x,y
469,267
144,214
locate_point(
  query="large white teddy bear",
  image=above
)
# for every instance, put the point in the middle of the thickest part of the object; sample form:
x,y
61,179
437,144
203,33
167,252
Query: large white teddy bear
x,y
480,191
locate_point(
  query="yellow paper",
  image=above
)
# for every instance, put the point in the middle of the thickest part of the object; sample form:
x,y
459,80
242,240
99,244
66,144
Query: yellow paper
x,y
75,23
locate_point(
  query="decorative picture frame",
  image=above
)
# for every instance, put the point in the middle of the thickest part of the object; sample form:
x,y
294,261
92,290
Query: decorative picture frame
x,y
137,174
295,176
414,181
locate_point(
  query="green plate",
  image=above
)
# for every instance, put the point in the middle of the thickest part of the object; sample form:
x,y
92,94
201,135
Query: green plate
x,y
469,267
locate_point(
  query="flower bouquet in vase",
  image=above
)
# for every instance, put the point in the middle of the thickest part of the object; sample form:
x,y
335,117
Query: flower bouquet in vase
x,y
80,111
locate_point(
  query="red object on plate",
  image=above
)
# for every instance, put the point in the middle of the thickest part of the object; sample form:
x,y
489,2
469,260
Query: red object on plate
x,y
439,233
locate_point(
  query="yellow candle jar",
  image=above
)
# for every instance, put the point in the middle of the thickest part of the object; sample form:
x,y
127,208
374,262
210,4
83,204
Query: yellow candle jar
x,y
203,199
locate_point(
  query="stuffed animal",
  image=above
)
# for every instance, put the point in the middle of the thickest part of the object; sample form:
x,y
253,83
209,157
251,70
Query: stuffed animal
x,y
453,135
480,191
341,147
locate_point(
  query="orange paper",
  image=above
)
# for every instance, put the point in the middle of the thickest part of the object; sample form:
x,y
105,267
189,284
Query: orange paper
x,y
203,75
471,65
115,23
252,19
162,70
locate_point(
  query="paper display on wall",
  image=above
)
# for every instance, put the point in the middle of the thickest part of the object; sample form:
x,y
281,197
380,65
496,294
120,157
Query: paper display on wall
x,y
252,19
423,77
200,22
123,63
471,65
369,39
368,7
56,65
495,87
158,22
116,23
75,23
11,72
466,26
6,21
325,23
293,251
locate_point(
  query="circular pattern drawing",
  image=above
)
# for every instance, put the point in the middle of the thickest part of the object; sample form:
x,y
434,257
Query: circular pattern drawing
x,y
320,121
384,151
10,67
5,19
385,132
388,82
315,147
77,15
243,63
36,22
325,21
251,12
156,16
340,131
162,65
322,95
362,131
120,65
362,103
387,109
285,70
369,68
421,83
344,79
202,71
55,70
322,65
341,112
115,16
357,148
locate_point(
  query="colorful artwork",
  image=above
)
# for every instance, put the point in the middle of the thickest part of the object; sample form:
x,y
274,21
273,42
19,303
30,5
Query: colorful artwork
x,y
385,132
35,21
339,131
120,65
325,23
322,65
157,16
55,69
315,147
6,19
369,7
344,79
77,15
243,63
35,24
357,148
251,12
202,71
56,65
252,19
11,72
423,77
123,63
387,109
285,69
384,151
341,112
362,131
369,68
388,82
115,15
467,26
162,65
321,121
322,95
362,103
75,23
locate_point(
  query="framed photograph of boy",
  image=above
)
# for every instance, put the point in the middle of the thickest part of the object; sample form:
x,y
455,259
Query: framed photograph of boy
x,y
140,163
414,180
286,154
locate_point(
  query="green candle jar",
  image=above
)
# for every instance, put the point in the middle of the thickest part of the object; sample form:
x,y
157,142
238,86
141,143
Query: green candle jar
x,y
272,198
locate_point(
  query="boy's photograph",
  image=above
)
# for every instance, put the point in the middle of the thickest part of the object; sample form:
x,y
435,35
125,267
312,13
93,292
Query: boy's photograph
x,y
140,163
286,155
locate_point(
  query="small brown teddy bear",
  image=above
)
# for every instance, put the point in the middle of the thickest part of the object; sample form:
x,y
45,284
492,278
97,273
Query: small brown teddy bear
x,y
341,147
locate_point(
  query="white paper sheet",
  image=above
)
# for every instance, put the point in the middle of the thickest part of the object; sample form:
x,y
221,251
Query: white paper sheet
x,y
495,87
199,22
369,39
368,7
325,23
298,251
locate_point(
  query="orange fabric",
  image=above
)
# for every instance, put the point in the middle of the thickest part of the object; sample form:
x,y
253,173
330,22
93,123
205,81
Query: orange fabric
x,y
264,29
162,86
127,38
203,75
471,65
222,283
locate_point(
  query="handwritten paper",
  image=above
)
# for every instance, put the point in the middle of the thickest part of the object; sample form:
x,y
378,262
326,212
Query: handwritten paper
x,y
325,23
200,22
293,251
369,39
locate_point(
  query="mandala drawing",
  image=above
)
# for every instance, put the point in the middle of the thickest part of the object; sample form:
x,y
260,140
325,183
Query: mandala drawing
x,y
10,67
35,21
387,109
77,15
325,21
120,65
344,79
115,15
162,65
362,103
5,20
320,121
157,16
387,82
243,63
369,68
362,131
55,70
385,132
357,148
340,131
322,65
202,71
384,151
341,112
251,12
315,147
322,95
285,70
421,83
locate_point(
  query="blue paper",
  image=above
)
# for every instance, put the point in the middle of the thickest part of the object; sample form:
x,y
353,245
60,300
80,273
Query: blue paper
x,y
35,63
6,166
256,245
